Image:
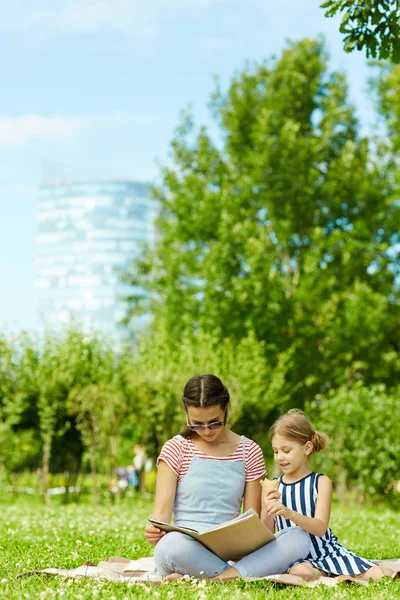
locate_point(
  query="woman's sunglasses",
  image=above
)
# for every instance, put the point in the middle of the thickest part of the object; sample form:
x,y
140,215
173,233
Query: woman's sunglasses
x,y
212,426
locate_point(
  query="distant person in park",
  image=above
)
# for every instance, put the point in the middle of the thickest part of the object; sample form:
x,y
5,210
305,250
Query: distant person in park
x,y
303,499
139,462
133,478
203,476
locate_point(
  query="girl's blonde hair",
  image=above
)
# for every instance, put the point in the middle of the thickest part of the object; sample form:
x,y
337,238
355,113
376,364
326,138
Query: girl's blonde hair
x,y
295,425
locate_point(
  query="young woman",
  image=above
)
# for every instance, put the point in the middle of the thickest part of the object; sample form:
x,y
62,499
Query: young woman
x,y
304,500
203,477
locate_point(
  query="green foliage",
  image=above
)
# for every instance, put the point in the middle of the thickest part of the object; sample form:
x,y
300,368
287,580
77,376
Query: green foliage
x,y
96,400
363,425
276,266
370,24
65,388
283,229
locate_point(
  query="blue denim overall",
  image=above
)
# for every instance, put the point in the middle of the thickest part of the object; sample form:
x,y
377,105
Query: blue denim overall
x,y
210,493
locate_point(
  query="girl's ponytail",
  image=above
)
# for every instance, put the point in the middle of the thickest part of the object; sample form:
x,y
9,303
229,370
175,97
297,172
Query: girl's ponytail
x,y
319,441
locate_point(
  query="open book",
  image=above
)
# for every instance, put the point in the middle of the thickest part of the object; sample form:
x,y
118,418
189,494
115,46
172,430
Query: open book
x,y
231,540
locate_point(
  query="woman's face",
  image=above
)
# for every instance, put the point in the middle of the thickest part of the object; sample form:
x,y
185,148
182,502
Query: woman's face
x,y
207,416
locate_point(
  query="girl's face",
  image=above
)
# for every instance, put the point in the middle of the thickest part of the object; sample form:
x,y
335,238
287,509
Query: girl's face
x,y
199,417
291,456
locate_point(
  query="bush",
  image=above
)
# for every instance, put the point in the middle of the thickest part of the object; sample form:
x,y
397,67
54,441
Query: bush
x,y
363,425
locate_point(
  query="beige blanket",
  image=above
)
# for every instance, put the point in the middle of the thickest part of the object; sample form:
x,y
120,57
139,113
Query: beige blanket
x,y
123,569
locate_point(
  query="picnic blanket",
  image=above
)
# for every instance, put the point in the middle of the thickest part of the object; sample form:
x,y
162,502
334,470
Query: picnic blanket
x,y
139,571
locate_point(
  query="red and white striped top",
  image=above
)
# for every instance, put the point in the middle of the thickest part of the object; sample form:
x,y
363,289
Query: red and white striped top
x,y
178,453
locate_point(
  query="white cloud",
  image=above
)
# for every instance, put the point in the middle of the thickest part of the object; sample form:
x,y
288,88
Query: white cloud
x,y
141,17
15,131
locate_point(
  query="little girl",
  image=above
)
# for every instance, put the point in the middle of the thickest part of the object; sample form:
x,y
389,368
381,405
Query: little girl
x,y
304,500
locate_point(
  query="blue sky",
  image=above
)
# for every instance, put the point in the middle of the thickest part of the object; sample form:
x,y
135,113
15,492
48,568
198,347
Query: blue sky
x,y
95,88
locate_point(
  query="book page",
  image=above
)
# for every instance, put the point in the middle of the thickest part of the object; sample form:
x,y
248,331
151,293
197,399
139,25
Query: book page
x,y
244,515
237,539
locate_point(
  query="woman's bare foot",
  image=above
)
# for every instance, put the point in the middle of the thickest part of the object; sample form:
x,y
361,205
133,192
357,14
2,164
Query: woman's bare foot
x,y
227,575
173,576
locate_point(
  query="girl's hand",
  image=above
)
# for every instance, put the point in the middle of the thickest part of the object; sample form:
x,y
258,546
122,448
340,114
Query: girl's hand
x,y
269,495
274,508
152,534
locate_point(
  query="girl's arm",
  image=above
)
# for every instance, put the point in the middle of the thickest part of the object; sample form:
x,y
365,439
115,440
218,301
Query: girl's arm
x,y
164,501
267,519
252,496
316,525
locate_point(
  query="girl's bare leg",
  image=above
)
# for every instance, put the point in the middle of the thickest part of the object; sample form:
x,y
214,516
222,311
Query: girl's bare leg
x,y
306,571
376,573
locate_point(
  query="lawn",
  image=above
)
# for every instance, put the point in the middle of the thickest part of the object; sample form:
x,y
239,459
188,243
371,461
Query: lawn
x,y
33,536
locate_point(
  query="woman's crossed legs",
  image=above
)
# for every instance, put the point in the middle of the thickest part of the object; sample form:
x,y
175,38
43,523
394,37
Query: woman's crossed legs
x,y
177,553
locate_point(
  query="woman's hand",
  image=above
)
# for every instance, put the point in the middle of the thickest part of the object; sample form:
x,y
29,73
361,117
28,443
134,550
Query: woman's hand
x,y
164,502
152,534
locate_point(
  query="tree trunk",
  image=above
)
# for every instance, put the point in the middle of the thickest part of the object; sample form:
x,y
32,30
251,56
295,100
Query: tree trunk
x,y
93,470
45,467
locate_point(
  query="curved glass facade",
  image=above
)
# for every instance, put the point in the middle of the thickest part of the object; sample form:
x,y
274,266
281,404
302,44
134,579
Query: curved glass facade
x,y
86,232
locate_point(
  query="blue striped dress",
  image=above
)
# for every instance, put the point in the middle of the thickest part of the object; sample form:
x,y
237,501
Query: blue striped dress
x,y
326,553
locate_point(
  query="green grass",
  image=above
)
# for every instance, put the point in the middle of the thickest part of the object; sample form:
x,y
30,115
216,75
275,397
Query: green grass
x,y
33,536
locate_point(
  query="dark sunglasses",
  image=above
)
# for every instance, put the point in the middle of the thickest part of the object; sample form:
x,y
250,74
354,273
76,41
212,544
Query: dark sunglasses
x,y
212,426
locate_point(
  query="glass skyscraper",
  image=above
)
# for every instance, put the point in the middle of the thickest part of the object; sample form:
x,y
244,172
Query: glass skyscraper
x,y
86,232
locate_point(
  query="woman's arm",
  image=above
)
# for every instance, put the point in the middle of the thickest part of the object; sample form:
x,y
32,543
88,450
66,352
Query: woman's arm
x,y
252,496
165,492
316,525
164,501
255,472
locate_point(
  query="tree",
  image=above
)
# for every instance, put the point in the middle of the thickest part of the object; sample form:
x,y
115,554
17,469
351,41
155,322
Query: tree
x,y
97,403
370,24
282,228
20,446
54,378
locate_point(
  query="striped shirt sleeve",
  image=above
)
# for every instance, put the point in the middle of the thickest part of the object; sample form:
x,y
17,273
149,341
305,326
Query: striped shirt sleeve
x,y
255,467
171,453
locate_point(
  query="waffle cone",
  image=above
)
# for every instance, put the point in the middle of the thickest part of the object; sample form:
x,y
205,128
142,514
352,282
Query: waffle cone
x,y
270,484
